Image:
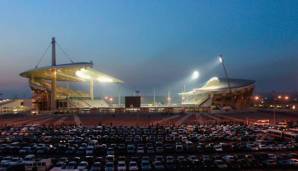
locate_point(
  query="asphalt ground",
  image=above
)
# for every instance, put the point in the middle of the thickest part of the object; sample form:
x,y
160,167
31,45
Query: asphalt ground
x,y
141,119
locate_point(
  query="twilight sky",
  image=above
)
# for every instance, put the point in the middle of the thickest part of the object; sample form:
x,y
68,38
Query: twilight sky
x,y
154,43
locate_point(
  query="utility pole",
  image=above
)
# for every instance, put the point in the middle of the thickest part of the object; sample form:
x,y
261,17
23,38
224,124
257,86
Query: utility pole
x,y
54,76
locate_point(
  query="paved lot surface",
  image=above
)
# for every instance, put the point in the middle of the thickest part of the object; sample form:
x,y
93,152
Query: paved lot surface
x,y
141,119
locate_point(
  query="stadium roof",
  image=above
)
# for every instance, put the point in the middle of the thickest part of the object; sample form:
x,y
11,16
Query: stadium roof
x,y
216,84
81,71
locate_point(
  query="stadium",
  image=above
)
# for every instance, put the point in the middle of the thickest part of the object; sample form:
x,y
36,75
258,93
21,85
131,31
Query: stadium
x,y
219,93
49,92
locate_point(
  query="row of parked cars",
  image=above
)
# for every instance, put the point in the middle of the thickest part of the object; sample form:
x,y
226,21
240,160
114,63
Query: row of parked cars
x,y
185,162
144,148
157,162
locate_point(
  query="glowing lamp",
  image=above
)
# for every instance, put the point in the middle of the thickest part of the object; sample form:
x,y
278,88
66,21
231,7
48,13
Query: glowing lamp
x,y
195,75
220,59
82,74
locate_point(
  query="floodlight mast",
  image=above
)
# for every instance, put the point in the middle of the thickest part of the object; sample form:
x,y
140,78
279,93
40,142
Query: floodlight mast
x,y
221,60
54,76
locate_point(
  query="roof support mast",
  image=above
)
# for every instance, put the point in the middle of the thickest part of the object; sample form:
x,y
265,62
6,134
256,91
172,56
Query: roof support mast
x,y
54,76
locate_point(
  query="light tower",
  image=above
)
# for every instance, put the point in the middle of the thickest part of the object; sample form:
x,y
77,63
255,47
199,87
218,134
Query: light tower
x,y
221,60
54,75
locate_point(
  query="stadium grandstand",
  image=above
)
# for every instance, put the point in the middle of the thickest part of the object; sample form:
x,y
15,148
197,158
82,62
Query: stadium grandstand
x,y
220,93
49,92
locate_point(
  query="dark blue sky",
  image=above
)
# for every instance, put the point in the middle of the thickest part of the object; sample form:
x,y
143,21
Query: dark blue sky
x,y
154,43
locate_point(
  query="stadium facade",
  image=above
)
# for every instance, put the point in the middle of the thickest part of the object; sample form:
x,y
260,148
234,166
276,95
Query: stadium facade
x,y
219,93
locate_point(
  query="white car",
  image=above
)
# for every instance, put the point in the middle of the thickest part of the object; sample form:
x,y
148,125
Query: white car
x,y
140,150
83,166
121,166
133,166
89,150
293,161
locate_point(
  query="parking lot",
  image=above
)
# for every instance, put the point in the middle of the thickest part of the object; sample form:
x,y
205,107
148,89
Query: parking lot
x,y
136,141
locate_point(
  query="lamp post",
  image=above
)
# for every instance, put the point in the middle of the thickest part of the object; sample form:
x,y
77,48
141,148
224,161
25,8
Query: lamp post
x,y
221,60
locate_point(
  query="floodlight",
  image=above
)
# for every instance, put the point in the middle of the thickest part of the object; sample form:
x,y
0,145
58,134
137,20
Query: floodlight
x,y
82,74
220,59
195,75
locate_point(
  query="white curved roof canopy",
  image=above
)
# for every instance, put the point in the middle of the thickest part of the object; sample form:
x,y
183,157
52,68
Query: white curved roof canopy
x,y
76,72
216,84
